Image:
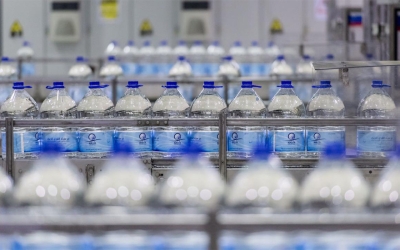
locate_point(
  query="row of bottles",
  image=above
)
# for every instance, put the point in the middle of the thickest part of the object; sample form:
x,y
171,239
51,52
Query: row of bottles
x,y
169,141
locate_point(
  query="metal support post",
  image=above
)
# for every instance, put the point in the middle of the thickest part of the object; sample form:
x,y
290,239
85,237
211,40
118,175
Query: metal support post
x,y
9,145
213,230
225,83
114,84
19,67
222,144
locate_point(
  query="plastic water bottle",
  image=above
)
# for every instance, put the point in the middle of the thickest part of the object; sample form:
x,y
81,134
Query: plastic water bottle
x,y
181,49
7,72
59,182
193,183
50,240
271,52
280,70
80,71
335,182
324,104
197,57
182,71
26,53
256,60
238,52
377,141
247,104
113,49
305,71
123,181
267,241
214,55
130,58
112,70
124,240
164,59
131,106
147,66
385,193
264,184
22,106
230,69
287,141
59,105
207,105
170,141
186,240
95,142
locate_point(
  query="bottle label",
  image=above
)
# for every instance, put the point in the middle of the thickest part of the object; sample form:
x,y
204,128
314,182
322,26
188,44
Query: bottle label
x,y
96,141
316,140
376,141
148,69
27,69
129,68
164,68
170,141
199,69
24,142
245,69
140,141
289,141
67,140
212,69
257,69
207,140
245,141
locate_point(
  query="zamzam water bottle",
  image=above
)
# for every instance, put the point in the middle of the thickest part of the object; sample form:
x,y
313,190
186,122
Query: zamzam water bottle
x,y
324,104
377,141
287,141
21,105
59,105
26,53
207,105
129,59
247,104
95,142
131,106
170,141
80,71
7,72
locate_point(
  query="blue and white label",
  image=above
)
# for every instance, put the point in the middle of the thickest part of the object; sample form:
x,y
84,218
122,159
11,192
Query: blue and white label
x,y
140,141
245,69
316,140
147,69
96,141
164,68
212,69
257,69
376,141
208,141
289,141
245,141
24,142
129,68
199,69
170,141
68,141
27,69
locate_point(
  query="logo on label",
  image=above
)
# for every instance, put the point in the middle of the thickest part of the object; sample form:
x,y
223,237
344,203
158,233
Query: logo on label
x,y
143,138
235,137
92,139
317,137
178,138
292,138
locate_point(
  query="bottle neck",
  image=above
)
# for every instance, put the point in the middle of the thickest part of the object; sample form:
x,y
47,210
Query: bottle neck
x,y
133,91
208,91
172,91
247,91
325,91
286,91
97,92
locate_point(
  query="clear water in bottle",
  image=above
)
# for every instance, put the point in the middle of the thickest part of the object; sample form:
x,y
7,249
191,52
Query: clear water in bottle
x,y
113,49
21,105
243,139
335,183
164,59
59,105
26,53
170,141
110,71
80,71
147,66
287,141
324,104
197,57
256,60
95,142
305,71
8,72
207,105
376,141
131,106
238,52
130,58
280,70
214,54
181,49
182,71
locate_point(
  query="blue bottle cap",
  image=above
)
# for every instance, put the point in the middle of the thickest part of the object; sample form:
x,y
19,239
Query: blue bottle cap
x,y
210,85
379,84
397,152
171,85
280,57
306,57
181,42
369,56
20,85
286,85
163,43
5,59
323,85
271,43
330,57
215,43
334,150
111,58
249,85
198,42
80,59
96,85
114,42
181,58
146,43
133,84
228,58
254,43
121,148
26,43
52,148
237,44
262,151
131,43
56,85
